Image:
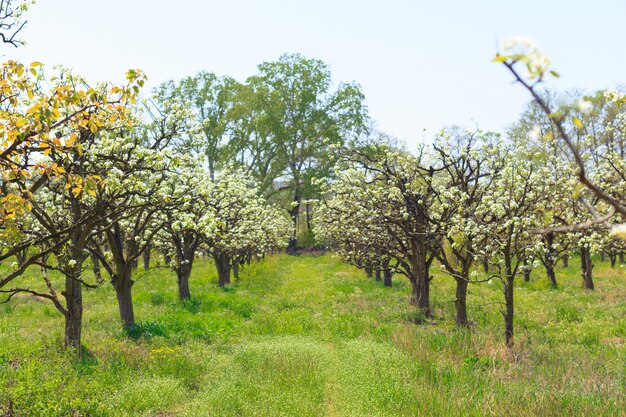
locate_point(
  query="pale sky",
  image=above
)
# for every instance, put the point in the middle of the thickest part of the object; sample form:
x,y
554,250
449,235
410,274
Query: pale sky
x,y
423,65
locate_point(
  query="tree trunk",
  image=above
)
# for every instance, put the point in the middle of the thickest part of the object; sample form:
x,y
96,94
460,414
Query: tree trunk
x,y
294,212
602,256
486,265
549,259
387,277
612,259
621,257
527,270
123,290
551,274
415,292
420,295
566,260
378,275
167,259
309,226
96,268
423,301
369,272
74,308
509,301
587,267
182,274
222,263
146,257
236,270
460,302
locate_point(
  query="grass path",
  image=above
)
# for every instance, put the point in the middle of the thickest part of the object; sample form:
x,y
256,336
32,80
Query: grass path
x,y
309,336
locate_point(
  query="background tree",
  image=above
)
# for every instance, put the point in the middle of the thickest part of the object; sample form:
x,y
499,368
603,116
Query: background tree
x,y
464,181
510,213
211,99
304,117
387,196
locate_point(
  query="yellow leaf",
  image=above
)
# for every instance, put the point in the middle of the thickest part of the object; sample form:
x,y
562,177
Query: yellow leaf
x,y
578,123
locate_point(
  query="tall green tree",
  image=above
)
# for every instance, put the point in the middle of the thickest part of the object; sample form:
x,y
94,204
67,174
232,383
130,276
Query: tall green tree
x,y
304,116
211,98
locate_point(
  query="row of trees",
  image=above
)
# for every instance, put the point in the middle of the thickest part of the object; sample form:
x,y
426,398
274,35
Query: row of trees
x,y
92,178
110,186
278,125
473,200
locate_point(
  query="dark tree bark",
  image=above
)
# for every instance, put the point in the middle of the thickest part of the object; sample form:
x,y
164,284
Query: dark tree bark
x,y
146,257
612,259
566,260
420,282
73,290
486,265
294,213
21,256
369,272
527,270
587,267
378,275
460,303
96,267
621,257
182,274
236,269
185,246
222,263
549,259
387,277
509,301
309,217
74,310
123,291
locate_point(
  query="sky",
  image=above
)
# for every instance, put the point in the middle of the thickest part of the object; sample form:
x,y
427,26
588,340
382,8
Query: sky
x,y
423,65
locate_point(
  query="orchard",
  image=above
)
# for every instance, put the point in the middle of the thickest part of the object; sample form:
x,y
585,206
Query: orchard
x,y
206,194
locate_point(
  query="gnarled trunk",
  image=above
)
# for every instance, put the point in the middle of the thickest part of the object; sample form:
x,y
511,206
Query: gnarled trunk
x,y
182,275
587,267
73,293
123,290
566,260
222,263
420,294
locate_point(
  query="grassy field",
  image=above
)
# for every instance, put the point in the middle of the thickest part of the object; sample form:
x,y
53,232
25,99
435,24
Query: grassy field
x,y
309,336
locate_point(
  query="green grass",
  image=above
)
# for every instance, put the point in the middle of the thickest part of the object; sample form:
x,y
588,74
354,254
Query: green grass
x,y
309,336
